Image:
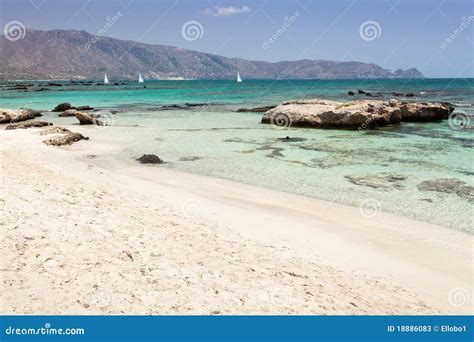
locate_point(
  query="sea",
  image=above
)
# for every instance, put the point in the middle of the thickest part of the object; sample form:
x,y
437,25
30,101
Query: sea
x,y
422,171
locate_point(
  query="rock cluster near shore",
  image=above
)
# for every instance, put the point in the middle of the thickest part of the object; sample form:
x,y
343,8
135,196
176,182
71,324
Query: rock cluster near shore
x,y
363,114
17,115
29,124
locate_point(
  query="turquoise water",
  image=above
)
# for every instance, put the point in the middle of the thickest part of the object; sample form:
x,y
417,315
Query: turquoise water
x,y
215,140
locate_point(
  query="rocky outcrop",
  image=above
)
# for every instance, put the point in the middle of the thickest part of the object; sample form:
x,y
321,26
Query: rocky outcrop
x,y
256,109
29,124
359,114
68,112
331,114
150,159
65,139
17,115
416,111
87,119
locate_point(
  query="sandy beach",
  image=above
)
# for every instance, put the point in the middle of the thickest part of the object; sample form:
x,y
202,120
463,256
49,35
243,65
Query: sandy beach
x,y
83,233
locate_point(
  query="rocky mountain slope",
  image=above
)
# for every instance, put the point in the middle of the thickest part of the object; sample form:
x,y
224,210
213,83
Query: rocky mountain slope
x,y
59,54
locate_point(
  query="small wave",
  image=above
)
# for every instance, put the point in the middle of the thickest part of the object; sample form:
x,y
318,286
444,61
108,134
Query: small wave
x,y
461,104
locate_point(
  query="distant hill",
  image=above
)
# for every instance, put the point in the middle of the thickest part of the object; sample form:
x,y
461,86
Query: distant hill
x,y
68,54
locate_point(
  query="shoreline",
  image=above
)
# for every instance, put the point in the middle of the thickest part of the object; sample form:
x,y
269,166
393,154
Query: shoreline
x,y
386,264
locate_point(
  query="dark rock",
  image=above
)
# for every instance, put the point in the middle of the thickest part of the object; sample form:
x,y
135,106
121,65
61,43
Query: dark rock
x,y
51,84
150,159
350,93
360,92
290,139
409,94
29,124
62,107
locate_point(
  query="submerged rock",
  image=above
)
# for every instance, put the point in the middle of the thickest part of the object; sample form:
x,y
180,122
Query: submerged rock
x,y
17,115
29,124
66,139
449,186
191,158
383,181
150,159
256,109
360,114
54,130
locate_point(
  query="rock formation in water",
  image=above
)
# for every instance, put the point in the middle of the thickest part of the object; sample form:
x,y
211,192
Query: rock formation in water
x,y
360,114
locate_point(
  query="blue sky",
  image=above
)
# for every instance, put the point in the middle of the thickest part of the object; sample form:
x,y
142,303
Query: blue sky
x,y
435,36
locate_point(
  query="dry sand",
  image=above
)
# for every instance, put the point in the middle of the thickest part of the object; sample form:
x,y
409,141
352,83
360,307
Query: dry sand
x,y
84,234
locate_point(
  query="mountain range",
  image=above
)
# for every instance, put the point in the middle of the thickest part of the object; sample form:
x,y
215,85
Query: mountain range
x,y
70,54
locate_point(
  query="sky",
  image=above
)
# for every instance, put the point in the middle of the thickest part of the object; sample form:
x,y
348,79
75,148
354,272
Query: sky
x,y
434,36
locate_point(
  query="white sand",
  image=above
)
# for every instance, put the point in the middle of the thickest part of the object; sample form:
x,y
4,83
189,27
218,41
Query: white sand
x,y
83,235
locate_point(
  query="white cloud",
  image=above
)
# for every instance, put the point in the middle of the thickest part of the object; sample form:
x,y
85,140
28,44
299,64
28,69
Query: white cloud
x,y
226,11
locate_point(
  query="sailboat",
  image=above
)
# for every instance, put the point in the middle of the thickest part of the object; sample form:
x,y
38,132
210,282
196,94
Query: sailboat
x,y
140,78
238,78
106,80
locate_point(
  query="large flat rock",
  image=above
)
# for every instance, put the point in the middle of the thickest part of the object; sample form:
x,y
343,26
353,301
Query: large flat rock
x,y
361,114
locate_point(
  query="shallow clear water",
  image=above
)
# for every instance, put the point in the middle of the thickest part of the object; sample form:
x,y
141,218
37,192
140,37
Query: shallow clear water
x,y
217,141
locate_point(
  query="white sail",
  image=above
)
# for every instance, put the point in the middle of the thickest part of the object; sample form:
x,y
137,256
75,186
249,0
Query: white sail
x,y
238,78
106,80
140,78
